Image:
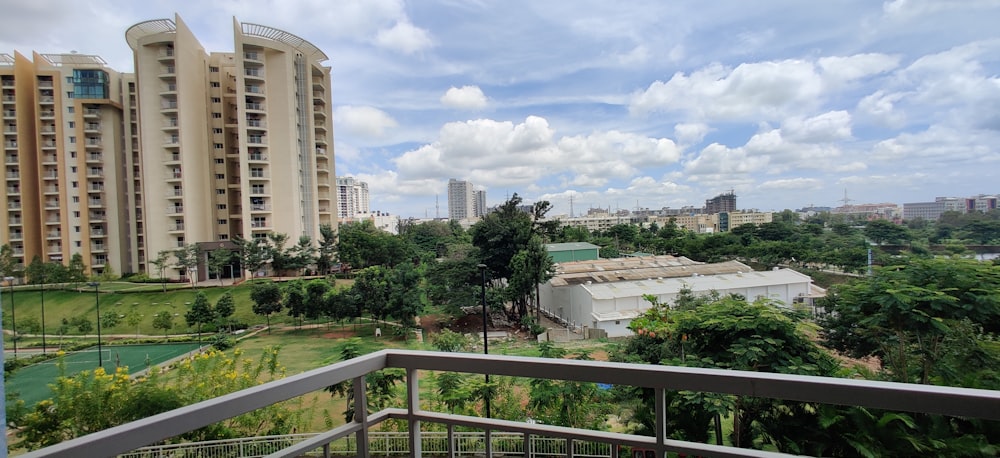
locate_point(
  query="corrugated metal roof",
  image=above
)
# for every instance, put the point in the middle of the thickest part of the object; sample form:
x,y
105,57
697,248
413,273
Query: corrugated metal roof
x,y
642,268
570,246
700,283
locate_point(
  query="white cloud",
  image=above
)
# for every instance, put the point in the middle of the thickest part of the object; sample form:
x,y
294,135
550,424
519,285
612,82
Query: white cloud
x,y
367,122
762,90
850,68
880,107
832,126
716,159
405,38
790,184
465,98
690,133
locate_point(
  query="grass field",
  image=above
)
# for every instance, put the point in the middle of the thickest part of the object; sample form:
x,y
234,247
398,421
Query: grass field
x,y
32,383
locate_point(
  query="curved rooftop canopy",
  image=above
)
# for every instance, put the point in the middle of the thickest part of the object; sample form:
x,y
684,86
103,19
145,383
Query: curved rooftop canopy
x,y
270,33
147,28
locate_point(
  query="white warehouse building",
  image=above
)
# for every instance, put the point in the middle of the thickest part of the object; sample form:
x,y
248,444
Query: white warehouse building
x,y
607,294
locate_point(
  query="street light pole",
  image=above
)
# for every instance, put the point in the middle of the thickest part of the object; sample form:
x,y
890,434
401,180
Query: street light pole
x,y
486,343
13,318
43,316
97,302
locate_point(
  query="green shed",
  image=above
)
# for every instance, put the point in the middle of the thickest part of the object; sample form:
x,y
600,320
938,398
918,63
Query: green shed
x,y
575,251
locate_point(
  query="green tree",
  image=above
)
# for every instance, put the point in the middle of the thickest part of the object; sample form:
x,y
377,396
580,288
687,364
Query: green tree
x,y
280,259
253,254
327,248
187,260
200,313
295,299
134,318
162,258
163,320
904,314
302,255
732,334
77,269
363,245
218,260
8,264
880,231
225,306
266,299
316,297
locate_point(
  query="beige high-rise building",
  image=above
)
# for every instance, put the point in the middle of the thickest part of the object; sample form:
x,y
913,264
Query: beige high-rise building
x,y
63,160
193,148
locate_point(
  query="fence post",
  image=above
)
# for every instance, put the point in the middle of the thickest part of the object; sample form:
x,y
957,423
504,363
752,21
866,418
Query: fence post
x,y
412,408
361,415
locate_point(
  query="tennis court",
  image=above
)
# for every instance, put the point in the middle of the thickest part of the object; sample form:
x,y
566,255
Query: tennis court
x,y
32,383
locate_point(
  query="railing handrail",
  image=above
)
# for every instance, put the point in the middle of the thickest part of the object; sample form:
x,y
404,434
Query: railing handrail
x,y
963,402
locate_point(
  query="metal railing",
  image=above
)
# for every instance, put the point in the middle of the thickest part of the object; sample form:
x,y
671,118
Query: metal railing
x,y
928,399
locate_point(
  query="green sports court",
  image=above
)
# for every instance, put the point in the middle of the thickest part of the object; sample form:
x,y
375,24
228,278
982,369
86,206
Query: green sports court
x,y
31,383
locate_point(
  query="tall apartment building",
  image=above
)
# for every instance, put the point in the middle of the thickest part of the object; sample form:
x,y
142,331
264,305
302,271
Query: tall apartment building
x,y
64,160
352,198
461,198
932,211
725,202
479,203
194,147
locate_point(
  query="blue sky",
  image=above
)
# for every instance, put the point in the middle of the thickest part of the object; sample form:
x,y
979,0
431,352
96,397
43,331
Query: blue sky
x,y
620,104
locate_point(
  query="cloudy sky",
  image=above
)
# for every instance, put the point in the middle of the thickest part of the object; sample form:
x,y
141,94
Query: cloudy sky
x,y
620,104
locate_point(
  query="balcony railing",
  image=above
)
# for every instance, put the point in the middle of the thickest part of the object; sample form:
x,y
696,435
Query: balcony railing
x,y
928,399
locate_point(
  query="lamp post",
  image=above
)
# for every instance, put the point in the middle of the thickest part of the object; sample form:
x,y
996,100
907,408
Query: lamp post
x,y
97,302
486,344
43,315
13,318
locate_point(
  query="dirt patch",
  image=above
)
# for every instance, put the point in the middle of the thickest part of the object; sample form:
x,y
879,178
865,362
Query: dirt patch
x,y
339,334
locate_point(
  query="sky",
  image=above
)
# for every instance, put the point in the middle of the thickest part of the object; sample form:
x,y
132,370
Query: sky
x,y
619,105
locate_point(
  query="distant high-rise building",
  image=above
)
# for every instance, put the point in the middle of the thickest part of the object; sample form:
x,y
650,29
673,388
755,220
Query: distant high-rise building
x,y
479,203
192,148
725,202
932,211
352,197
461,200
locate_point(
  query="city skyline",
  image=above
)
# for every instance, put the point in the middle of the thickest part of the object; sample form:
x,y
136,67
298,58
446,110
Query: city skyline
x,y
641,104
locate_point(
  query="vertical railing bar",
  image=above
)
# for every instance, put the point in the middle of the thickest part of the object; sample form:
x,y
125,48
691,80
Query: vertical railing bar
x,y
569,447
361,415
413,408
661,421
488,442
527,445
451,441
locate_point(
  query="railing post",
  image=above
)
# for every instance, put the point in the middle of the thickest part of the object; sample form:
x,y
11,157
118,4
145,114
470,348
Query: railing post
x,y
413,408
488,443
451,441
361,415
661,421
527,445
569,447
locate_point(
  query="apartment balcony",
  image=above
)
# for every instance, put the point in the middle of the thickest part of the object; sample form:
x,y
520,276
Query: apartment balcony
x,y
48,144
9,114
15,221
167,72
9,98
256,140
53,235
13,206
52,204
175,194
259,225
91,113
257,208
256,123
13,175
10,144
169,88
257,157
46,100
93,142
48,129
13,190
168,105
127,438
97,217
175,210
45,84
166,55
16,236
51,189
253,73
92,127
252,56
11,159
321,140
46,114
179,227
95,203
254,106
95,173
95,157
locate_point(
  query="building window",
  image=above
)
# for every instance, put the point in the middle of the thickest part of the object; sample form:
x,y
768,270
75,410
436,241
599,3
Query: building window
x,y
257,189
72,169
76,199
69,94
217,115
91,84
220,191
216,100
70,109
76,184
216,130
72,154
220,161
220,176
220,206
72,139
76,214
213,69
218,146
223,237
214,84
222,221
76,228
69,80
72,124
